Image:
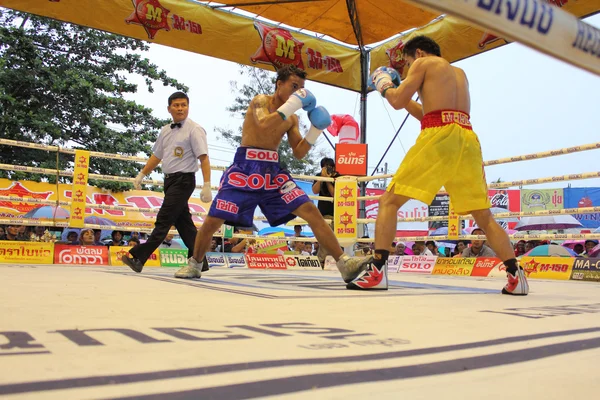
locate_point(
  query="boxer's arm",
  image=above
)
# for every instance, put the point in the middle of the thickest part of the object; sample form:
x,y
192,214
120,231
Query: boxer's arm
x,y
299,145
205,167
152,163
401,96
265,120
415,109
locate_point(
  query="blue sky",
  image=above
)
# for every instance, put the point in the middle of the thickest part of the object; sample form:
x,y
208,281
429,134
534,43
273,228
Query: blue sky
x,y
522,102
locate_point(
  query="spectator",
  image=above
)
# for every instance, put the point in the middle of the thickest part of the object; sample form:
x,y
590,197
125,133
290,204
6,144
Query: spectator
x,y
38,233
235,245
168,243
423,250
214,245
520,248
24,233
86,237
461,245
116,239
399,249
133,242
2,231
530,245
416,249
308,248
589,245
72,238
578,248
11,233
97,234
478,247
432,247
325,189
136,235
297,230
315,248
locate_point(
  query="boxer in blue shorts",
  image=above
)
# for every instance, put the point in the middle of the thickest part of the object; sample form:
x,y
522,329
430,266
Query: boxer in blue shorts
x,y
257,179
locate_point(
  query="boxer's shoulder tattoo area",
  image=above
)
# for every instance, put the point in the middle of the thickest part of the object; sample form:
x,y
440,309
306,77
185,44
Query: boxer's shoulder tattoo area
x,y
260,104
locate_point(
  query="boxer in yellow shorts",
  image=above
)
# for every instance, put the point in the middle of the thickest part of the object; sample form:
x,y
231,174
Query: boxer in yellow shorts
x,y
447,153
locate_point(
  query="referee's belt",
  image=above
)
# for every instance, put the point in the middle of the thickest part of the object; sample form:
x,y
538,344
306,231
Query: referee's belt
x,y
176,174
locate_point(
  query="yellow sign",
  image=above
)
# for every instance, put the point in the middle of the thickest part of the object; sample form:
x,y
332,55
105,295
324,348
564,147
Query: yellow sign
x,y
26,252
272,245
80,179
196,27
547,267
453,266
346,207
116,252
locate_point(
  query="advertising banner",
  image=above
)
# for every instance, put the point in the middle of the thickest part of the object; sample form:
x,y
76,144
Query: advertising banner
x,y
412,209
12,252
351,159
80,255
173,257
423,265
216,260
346,208
542,199
235,260
586,269
483,266
265,261
302,262
123,218
453,266
584,197
80,180
116,252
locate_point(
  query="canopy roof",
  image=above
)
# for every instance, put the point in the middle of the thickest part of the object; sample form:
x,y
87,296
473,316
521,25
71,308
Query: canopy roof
x,y
271,33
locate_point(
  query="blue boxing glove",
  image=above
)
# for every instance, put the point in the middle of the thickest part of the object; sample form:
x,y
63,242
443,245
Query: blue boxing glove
x,y
300,99
384,78
320,119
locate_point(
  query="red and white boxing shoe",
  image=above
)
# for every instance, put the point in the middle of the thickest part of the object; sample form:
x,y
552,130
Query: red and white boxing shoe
x,y
517,284
372,278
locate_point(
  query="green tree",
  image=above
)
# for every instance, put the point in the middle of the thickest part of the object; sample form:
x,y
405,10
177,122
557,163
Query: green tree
x,y
259,81
65,85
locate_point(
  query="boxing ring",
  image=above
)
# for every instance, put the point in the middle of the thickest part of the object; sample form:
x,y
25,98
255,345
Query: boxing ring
x,y
85,331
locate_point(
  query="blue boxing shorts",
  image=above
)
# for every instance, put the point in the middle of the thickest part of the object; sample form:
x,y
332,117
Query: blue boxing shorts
x,y
256,179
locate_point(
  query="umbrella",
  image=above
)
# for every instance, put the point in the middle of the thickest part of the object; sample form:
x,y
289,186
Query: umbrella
x,y
548,222
571,243
286,232
48,212
597,230
595,252
551,250
498,210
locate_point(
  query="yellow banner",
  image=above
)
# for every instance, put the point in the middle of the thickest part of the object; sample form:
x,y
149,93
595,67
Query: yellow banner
x,y
26,252
272,245
201,29
457,39
453,266
80,179
121,218
116,252
547,267
345,206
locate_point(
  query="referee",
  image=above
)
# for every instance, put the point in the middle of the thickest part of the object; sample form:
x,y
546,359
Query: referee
x,y
179,146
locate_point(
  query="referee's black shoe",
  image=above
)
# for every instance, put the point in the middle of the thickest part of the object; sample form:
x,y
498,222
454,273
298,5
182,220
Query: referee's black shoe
x,y
205,266
133,263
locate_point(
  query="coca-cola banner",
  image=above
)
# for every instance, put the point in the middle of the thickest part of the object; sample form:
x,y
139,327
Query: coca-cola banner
x,y
412,209
80,255
584,197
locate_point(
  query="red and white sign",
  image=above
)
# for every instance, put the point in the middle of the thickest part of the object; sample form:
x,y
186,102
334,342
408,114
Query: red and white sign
x,y
302,262
417,264
86,255
351,159
484,266
262,155
265,261
412,209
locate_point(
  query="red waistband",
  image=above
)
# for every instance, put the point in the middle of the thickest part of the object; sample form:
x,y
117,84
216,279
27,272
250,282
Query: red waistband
x,y
445,117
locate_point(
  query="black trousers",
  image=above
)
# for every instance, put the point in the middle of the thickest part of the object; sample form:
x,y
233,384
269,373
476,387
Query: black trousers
x,y
174,211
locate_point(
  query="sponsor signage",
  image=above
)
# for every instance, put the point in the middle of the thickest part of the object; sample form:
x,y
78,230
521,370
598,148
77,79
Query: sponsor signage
x,y
86,255
216,260
12,252
116,252
173,257
459,266
265,261
345,210
302,262
547,267
235,260
586,269
485,265
351,159
417,264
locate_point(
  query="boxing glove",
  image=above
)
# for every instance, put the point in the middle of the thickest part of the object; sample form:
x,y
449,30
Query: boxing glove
x,y
320,119
384,78
300,99
137,182
206,194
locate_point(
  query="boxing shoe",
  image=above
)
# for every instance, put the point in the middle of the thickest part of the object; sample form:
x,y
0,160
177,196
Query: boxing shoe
x,y
190,271
517,284
351,267
133,263
372,278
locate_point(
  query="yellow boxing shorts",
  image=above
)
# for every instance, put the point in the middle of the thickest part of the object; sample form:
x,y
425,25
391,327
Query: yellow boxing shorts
x,y
447,153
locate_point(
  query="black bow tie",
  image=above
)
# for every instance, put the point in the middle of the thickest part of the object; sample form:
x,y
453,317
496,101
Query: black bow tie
x,y
176,125
168,244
